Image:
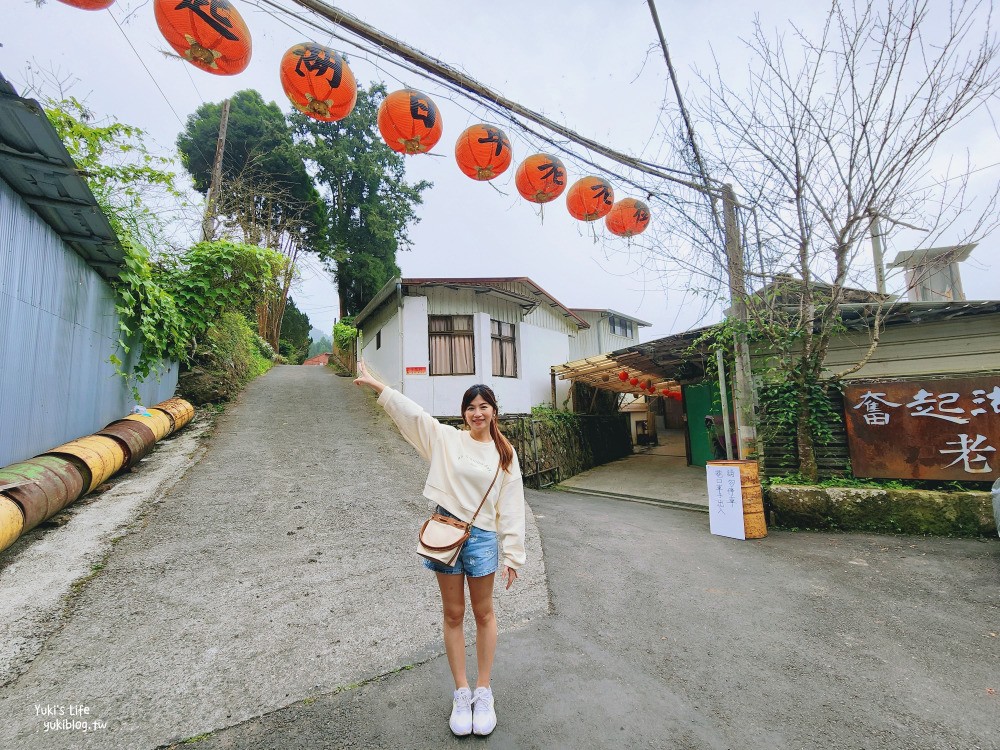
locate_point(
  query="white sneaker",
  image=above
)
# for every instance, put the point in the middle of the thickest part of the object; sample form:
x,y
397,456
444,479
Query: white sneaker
x,y
461,713
484,718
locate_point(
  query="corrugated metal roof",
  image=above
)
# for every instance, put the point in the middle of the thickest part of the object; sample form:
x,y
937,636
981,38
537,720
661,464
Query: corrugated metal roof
x,y
36,164
678,358
539,295
640,323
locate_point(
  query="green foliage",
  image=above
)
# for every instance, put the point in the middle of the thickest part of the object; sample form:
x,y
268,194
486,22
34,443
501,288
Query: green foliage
x,y
235,344
295,338
130,185
148,316
779,402
369,205
259,147
134,187
265,349
213,277
554,417
344,334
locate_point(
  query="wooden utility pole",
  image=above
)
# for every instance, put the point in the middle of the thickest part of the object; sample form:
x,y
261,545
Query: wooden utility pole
x,y
743,392
208,222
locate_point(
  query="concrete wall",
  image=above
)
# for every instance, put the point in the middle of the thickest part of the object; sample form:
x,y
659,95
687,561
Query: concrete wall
x,y
58,327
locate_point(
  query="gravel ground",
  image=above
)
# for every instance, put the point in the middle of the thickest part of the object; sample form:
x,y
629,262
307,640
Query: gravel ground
x,y
279,569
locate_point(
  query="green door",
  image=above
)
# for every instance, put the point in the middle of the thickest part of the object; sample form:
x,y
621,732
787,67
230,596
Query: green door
x,y
700,401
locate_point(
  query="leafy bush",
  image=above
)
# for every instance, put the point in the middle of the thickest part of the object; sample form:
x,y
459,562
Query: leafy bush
x,y
344,334
229,357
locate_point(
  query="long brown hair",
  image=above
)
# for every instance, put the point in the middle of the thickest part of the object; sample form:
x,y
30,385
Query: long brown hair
x,y
504,448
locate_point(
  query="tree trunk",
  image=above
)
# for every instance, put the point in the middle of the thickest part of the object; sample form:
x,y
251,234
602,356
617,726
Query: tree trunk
x,y
804,441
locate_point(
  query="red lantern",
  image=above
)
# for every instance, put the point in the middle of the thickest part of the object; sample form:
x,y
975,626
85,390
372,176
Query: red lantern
x,y
89,4
540,178
483,152
634,381
590,198
623,375
318,82
628,217
409,122
209,35
665,391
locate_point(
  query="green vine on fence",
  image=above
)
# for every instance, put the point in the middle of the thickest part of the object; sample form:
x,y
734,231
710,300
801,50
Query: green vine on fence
x,y
344,334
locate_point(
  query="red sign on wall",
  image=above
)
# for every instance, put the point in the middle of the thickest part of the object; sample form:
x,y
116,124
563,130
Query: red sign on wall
x,y
933,429
416,370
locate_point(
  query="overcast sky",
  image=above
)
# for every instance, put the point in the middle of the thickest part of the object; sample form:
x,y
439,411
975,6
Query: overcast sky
x,y
584,63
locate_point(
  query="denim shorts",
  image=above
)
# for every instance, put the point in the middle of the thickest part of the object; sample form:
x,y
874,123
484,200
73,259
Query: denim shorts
x,y
480,554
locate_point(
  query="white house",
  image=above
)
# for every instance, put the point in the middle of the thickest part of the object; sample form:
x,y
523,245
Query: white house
x,y
433,338
608,331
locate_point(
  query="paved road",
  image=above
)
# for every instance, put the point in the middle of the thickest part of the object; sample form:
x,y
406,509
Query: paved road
x,y
663,636
280,568
658,634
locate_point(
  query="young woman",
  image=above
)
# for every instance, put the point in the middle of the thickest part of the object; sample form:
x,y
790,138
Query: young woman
x,y
462,463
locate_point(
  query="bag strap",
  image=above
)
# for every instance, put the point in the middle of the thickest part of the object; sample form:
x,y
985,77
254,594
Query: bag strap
x,y
485,496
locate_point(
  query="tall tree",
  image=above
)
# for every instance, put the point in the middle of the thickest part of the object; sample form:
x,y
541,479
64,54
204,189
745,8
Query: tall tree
x,y
295,329
370,206
266,197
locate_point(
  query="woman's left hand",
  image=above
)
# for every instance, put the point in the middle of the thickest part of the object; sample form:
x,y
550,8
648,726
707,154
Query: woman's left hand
x,y
509,575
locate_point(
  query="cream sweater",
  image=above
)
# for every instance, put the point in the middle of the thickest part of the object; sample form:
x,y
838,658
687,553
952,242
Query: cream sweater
x,y
461,470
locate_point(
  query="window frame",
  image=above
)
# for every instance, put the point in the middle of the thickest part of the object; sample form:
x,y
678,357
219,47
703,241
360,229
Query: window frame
x,y
450,332
512,340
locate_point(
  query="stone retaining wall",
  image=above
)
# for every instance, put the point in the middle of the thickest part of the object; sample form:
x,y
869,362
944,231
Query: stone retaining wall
x,y
882,510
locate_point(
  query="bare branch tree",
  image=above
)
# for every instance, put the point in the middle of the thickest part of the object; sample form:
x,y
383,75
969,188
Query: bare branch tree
x,y
829,132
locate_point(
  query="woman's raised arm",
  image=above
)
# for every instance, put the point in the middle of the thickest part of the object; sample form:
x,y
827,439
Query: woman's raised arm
x,y
366,378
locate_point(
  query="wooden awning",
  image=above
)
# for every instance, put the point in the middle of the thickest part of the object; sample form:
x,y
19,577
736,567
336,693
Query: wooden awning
x,y
666,362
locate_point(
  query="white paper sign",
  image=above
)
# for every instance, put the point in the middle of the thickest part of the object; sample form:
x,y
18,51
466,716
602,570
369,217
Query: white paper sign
x,y
725,502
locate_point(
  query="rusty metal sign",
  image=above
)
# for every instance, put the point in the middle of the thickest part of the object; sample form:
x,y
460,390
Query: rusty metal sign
x,y
931,429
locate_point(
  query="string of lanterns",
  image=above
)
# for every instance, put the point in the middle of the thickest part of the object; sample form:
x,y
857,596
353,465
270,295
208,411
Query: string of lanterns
x,y
212,36
646,387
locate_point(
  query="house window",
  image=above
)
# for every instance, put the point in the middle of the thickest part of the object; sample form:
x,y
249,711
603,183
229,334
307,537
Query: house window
x,y
451,344
378,340
504,353
620,326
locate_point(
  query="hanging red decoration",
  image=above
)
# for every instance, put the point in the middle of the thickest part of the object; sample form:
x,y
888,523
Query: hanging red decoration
x,y
89,4
628,217
209,34
409,122
590,198
634,381
318,82
483,152
665,391
623,375
540,178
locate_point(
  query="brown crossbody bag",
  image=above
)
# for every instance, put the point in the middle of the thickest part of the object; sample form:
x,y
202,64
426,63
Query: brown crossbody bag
x,y
441,537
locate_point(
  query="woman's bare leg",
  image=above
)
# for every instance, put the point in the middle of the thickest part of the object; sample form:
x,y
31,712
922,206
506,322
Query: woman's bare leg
x,y
453,601
481,594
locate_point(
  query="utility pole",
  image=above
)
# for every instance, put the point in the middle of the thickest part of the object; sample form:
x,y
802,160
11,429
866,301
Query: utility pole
x,y
208,222
876,231
743,391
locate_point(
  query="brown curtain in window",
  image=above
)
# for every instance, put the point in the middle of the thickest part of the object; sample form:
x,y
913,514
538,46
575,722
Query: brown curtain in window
x,y
497,358
440,346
